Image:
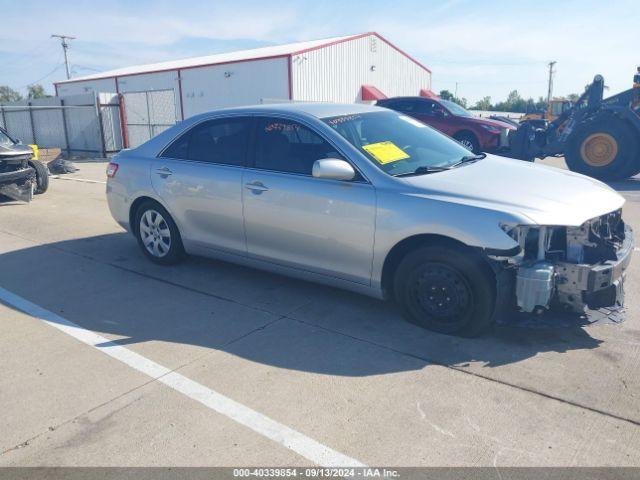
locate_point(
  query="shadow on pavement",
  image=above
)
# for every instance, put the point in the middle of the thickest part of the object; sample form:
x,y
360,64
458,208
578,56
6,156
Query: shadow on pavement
x,y
105,284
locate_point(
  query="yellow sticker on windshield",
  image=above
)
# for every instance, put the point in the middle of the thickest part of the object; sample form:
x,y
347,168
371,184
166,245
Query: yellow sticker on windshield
x,y
385,152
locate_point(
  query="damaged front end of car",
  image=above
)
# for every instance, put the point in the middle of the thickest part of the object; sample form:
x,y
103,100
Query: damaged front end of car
x,y
572,269
17,178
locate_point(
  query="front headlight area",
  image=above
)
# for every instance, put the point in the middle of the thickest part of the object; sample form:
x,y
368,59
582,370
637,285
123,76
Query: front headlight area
x,y
542,250
567,266
538,242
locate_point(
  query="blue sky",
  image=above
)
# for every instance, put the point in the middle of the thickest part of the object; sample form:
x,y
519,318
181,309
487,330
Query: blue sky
x,y
488,47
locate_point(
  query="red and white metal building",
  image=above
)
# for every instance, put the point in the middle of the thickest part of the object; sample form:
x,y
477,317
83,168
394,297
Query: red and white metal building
x,y
347,69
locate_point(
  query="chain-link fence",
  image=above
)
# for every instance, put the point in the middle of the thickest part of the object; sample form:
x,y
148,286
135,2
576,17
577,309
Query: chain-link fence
x,y
86,125
148,113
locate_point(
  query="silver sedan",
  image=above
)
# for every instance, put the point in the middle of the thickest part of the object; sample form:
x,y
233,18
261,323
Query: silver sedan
x,y
373,201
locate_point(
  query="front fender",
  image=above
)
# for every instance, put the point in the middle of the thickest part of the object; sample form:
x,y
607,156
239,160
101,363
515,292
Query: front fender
x,y
401,217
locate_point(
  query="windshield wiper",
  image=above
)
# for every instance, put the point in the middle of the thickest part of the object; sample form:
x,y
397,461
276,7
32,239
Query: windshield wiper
x,y
468,159
423,170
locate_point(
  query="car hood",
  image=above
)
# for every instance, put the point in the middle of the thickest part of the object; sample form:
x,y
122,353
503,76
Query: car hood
x,y
544,195
8,153
490,122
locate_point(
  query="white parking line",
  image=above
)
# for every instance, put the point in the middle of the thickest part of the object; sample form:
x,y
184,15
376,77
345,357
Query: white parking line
x,y
291,439
83,180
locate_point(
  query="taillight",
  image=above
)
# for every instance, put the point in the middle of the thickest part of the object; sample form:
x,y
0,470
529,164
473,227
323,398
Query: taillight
x,y
112,169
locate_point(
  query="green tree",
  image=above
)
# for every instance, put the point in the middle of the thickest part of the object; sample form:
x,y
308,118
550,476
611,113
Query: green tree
x,y
36,91
484,104
446,95
8,94
514,97
460,101
515,103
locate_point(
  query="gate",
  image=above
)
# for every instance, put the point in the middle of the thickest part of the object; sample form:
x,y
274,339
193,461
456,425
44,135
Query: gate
x,y
86,124
147,114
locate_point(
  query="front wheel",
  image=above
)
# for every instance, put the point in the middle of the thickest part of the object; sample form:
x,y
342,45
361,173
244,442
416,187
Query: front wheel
x,y
42,176
468,141
158,235
447,290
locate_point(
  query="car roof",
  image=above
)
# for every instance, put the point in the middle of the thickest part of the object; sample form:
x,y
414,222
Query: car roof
x,y
314,109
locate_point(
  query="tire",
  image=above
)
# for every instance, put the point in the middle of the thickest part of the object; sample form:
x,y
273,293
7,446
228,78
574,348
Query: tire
x,y
636,169
42,176
157,234
605,148
464,290
469,141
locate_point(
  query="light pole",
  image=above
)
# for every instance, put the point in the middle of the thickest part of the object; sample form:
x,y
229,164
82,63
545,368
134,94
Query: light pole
x,y
550,90
65,47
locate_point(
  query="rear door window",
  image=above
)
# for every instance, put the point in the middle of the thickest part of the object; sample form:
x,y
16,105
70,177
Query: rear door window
x,y
222,141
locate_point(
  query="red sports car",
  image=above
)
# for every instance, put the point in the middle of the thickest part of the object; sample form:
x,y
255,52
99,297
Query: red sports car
x,y
477,134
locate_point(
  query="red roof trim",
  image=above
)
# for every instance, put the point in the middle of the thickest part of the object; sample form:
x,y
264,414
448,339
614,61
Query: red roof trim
x,y
355,37
163,70
425,92
317,47
369,92
401,51
335,42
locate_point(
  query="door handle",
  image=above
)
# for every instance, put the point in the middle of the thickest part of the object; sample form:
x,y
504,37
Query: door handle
x,y
256,187
164,171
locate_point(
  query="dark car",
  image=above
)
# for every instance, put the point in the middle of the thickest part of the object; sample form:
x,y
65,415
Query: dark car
x,y
20,175
477,134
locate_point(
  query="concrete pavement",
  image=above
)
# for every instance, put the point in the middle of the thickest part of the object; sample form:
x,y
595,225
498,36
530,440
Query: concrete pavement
x,y
343,370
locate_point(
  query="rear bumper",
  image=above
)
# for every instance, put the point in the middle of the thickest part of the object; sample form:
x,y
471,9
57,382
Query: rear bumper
x,y
119,204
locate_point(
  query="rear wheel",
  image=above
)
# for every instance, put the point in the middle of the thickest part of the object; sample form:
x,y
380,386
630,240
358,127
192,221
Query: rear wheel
x,y
605,149
468,141
158,235
447,290
42,176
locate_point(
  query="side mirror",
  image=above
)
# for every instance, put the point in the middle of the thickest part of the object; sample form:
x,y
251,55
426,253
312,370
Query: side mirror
x,y
333,169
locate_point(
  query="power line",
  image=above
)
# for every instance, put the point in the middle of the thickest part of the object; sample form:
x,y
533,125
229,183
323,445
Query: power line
x,y
57,67
65,47
38,51
84,67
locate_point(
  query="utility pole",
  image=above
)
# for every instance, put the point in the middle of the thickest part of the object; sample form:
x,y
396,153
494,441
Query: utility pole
x,y
455,95
551,72
65,47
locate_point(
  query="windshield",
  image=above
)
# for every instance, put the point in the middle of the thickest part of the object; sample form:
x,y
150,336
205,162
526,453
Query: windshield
x,y
398,144
5,140
456,109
